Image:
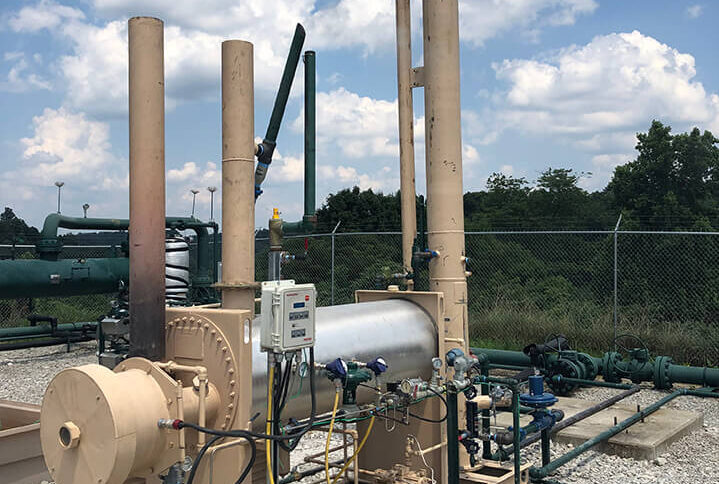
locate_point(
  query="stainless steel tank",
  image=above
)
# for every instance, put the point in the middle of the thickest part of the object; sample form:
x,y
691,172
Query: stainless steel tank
x,y
398,330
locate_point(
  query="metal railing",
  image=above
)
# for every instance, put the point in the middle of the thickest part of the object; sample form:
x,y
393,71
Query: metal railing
x,y
589,285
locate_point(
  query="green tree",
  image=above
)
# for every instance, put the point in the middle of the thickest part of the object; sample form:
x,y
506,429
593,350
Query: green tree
x,y
674,181
15,230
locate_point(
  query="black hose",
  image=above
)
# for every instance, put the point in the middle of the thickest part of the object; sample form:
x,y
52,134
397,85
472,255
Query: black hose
x,y
429,420
200,454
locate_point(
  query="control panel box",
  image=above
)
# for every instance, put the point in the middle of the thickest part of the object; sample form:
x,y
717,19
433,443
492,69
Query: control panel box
x,y
287,321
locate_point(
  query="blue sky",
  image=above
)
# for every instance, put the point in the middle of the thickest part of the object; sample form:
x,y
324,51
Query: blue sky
x,y
561,83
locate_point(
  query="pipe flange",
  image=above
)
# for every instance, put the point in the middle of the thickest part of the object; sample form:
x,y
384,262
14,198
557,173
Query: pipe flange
x,y
610,372
564,369
661,372
591,370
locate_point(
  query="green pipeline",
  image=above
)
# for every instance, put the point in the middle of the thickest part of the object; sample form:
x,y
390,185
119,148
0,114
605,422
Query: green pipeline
x,y
50,246
639,368
45,330
66,277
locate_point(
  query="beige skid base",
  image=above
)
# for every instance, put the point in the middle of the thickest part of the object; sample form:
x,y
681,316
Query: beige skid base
x,y
21,459
490,472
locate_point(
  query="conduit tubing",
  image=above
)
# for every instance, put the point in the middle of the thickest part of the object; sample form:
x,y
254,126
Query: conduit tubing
x,y
542,472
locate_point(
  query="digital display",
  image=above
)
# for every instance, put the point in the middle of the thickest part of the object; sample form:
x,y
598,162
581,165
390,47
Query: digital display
x,y
298,333
298,315
298,305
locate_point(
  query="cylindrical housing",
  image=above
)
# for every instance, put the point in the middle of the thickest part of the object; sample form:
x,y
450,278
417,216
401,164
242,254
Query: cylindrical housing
x,y
406,133
443,134
147,188
398,330
238,165
310,150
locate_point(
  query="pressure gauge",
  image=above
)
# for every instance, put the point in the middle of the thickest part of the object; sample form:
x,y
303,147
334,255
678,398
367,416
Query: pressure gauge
x,y
436,363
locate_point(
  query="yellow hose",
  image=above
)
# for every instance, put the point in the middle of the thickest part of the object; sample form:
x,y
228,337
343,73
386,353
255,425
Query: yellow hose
x,y
354,456
268,443
329,436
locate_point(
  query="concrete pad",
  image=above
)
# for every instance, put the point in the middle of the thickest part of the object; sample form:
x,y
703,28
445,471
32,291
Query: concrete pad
x,y
643,440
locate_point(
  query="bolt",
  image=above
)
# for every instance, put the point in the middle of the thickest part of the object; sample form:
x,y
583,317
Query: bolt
x,y
228,359
224,349
219,340
206,326
232,383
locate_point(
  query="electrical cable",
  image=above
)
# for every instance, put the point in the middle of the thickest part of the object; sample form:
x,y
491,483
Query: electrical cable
x,y
354,456
200,454
268,428
208,444
329,435
429,420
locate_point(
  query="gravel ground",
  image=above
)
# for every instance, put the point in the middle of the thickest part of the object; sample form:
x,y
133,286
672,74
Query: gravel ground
x,y
24,375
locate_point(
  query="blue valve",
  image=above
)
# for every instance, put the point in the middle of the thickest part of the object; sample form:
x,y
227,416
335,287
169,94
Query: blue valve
x,y
378,366
337,368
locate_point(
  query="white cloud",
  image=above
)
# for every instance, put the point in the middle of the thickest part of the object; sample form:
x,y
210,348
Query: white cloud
x,y
349,176
188,170
616,83
695,11
65,145
46,14
481,20
357,126
18,78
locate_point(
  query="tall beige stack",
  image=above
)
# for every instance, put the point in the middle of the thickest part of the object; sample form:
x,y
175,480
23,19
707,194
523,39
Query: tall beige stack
x,y
443,140
238,157
147,187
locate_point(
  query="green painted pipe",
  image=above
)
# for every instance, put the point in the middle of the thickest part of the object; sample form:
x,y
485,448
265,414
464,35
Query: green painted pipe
x,y
662,371
23,278
504,357
283,93
45,330
310,134
542,472
49,246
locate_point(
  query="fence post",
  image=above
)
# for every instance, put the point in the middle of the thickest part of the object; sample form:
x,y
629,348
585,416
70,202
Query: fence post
x,y
332,266
616,306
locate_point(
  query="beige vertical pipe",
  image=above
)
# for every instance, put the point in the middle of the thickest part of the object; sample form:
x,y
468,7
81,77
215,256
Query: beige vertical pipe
x,y
443,139
238,171
147,187
406,134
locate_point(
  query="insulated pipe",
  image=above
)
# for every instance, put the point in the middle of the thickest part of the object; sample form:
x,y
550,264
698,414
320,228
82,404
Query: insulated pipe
x,y
445,210
147,187
406,135
398,330
238,163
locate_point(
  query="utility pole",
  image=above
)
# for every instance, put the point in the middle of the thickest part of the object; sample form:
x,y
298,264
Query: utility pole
x,y
59,185
212,191
194,196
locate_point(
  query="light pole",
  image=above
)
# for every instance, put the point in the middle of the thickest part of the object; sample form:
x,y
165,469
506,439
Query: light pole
x,y
194,196
85,206
212,191
59,185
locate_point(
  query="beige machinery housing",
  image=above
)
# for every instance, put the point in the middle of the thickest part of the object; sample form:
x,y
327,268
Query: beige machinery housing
x,y
100,426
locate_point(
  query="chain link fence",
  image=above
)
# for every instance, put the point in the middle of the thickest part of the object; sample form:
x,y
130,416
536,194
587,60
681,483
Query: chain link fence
x,y
526,286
